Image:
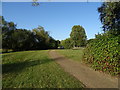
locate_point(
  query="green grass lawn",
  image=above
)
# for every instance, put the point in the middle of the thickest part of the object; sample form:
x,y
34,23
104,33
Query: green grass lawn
x,y
34,69
75,55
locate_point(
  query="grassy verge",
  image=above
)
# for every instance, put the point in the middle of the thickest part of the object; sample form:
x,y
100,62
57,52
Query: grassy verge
x,y
0,50
34,69
5,50
72,54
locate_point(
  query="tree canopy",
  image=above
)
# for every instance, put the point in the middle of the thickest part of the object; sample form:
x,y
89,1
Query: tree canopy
x,y
22,39
67,43
110,17
78,36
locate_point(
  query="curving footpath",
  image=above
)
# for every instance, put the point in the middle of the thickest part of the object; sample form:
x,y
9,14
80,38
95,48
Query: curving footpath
x,y
85,74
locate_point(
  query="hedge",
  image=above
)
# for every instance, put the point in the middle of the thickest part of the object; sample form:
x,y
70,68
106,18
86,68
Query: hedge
x,y
103,53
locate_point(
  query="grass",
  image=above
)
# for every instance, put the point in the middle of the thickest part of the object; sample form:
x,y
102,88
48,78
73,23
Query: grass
x,y
75,55
0,50
34,69
5,50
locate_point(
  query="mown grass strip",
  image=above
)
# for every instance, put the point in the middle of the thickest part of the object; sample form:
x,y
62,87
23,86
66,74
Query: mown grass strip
x,y
34,69
75,55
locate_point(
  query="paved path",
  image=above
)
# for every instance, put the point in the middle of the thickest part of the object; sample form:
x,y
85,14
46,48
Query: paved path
x,y
89,77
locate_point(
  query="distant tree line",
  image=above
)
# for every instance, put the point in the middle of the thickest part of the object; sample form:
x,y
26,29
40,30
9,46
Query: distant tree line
x,y
22,39
77,38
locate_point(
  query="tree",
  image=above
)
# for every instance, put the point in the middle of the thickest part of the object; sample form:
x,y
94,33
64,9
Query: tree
x,y
0,31
67,43
58,43
53,44
78,36
7,26
7,29
110,17
17,40
42,37
22,39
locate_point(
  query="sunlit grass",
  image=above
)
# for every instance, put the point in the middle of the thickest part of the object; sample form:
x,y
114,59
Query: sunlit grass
x,y
75,55
34,69
5,50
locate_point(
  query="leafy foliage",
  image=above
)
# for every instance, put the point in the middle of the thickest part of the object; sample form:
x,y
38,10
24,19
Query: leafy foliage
x,y
22,39
78,36
67,43
103,53
110,17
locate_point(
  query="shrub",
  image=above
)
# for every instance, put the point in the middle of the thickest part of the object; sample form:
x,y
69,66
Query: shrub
x,y
103,53
67,43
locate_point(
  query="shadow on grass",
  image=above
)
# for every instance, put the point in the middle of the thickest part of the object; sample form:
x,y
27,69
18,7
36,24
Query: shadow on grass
x,y
6,52
9,52
19,66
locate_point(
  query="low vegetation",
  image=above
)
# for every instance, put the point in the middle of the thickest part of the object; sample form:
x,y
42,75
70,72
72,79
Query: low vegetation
x,y
103,54
34,69
75,55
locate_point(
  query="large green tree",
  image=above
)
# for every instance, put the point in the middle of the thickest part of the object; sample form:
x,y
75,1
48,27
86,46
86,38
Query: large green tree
x,y
78,36
110,17
7,29
19,39
42,37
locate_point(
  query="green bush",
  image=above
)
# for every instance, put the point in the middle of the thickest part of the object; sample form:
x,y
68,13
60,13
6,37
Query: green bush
x,y
67,43
103,53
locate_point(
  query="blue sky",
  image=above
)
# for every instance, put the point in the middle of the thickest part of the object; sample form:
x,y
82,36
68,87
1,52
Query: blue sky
x,y
56,17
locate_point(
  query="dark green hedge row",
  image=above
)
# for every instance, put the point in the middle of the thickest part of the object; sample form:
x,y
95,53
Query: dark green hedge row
x,y
103,53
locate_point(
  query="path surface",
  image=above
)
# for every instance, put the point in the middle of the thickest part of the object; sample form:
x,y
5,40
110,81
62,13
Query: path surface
x,y
89,77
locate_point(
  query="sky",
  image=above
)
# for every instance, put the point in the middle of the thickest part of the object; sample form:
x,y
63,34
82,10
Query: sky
x,y
57,18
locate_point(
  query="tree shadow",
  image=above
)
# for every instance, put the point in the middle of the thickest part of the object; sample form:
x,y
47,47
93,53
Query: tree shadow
x,y
19,66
